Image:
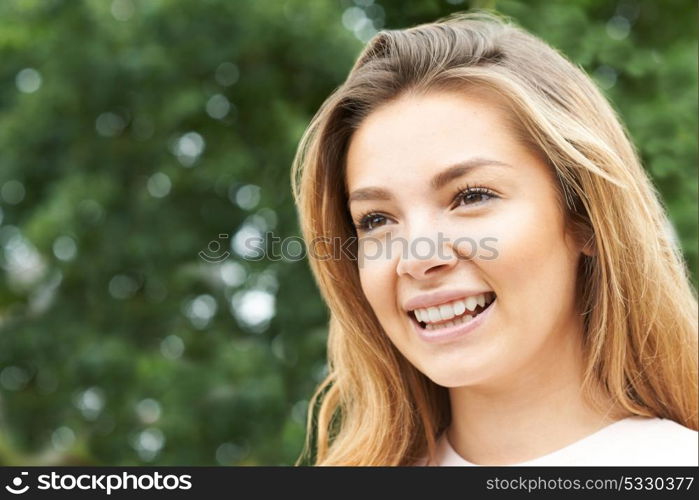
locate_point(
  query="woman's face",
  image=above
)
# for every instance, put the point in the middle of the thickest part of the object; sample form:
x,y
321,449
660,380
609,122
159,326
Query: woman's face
x,y
466,210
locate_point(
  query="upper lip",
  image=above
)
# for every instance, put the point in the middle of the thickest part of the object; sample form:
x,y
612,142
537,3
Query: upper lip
x,y
439,298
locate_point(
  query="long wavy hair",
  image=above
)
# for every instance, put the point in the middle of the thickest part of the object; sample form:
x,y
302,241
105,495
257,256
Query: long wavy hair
x,y
637,303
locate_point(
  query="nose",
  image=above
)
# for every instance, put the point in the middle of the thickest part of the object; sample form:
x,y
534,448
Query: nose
x,y
426,256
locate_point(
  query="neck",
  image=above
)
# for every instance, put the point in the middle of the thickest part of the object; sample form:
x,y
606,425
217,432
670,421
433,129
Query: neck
x,y
530,413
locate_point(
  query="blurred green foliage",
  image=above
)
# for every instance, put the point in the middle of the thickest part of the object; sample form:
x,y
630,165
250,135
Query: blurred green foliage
x,y
136,134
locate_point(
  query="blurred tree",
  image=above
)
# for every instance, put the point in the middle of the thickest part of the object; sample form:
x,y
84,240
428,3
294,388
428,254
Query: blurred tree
x,y
141,142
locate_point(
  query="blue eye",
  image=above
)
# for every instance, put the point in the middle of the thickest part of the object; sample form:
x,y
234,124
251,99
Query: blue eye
x,y
468,196
473,196
370,221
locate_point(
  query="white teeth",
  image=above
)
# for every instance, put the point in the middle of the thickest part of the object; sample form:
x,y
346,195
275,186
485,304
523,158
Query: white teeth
x,y
434,314
446,311
455,322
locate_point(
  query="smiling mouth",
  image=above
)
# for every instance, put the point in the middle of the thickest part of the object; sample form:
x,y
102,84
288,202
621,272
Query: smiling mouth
x,y
452,313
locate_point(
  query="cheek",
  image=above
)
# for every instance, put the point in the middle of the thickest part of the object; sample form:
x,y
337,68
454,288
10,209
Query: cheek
x,y
534,268
377,277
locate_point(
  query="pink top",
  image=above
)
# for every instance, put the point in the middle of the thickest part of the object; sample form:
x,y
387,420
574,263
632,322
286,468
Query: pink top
x,y
633,441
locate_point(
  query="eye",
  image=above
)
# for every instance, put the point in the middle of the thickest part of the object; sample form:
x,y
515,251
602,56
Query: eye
x,y
370,221
473,195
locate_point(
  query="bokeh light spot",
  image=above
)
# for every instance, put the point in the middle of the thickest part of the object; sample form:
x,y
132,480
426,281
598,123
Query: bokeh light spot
x,y
28,80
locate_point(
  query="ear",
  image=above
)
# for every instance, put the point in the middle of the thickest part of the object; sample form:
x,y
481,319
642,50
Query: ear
x,y
589,248
581,237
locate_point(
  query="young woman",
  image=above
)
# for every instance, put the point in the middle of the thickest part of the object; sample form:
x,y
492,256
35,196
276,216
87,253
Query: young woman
x,y
516,296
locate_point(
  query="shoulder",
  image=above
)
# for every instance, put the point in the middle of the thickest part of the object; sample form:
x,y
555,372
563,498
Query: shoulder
x,y
650,441
657,429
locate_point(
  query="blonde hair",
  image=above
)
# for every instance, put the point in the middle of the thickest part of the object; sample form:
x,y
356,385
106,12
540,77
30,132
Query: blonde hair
x,y
639,309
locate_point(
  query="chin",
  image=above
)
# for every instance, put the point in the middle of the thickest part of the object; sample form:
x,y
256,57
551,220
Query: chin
x,y
456,377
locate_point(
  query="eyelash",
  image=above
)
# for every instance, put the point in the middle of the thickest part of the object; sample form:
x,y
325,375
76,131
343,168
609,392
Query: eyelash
x,y
363,221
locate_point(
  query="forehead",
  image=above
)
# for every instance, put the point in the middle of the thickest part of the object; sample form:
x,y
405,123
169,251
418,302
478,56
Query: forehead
x,y
420,133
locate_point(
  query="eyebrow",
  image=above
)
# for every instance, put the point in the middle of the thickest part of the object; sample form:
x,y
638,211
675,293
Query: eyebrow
x,y
438,181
